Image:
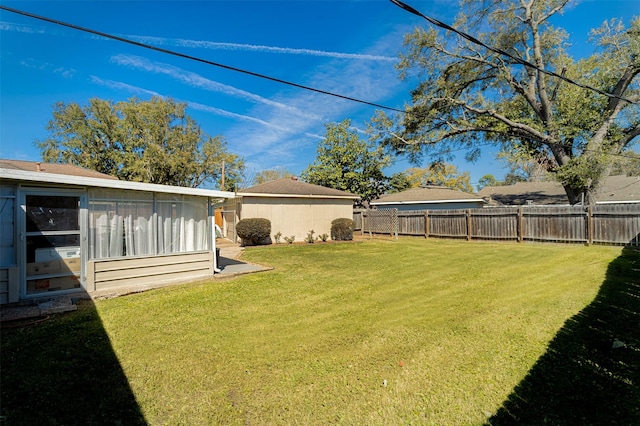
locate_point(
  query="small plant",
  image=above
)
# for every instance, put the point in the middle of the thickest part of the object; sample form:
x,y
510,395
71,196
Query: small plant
x,y
277,237
310,238
324,237
342,229
290,239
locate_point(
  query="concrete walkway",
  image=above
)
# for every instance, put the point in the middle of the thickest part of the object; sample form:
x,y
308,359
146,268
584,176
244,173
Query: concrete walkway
x,y
230,266
230,263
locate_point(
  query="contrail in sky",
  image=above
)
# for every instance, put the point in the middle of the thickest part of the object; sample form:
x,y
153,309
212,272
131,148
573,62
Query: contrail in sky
x,y
214,45
195,80
195,105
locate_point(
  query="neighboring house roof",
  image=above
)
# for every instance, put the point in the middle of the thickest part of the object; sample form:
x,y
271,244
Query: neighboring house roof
x,y
55,168
431,194
615,189
67,174
291,187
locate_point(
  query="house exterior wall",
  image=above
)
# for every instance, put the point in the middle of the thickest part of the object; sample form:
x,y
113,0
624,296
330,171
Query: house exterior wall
x,y
297,216
147,271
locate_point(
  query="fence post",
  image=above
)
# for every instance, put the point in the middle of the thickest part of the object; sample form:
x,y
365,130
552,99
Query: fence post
x,y
468,224
426,224
589,225
520,225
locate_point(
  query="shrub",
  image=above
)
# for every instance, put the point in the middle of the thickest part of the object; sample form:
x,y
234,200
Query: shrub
x,y
290,239
324,238
277,237
342,229
255,231
310,239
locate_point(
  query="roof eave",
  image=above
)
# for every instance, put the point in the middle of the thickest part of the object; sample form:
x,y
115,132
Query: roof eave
x,y
266,195
22,175
471,200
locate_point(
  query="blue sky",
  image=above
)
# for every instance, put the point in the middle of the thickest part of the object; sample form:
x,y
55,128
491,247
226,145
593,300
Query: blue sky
x,y
345,47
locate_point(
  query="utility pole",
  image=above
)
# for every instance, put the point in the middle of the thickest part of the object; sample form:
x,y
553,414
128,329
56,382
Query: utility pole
x,y
222,179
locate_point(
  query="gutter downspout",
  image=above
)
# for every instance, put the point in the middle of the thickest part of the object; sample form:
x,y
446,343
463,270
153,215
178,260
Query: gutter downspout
x,y
212,221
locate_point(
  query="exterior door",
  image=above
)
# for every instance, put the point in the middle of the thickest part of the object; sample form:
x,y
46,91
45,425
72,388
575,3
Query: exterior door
x,y
51,237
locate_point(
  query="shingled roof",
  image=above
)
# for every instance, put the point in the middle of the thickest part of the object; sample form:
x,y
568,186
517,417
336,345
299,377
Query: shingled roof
x,y
427,194
54,168
615,189
292,187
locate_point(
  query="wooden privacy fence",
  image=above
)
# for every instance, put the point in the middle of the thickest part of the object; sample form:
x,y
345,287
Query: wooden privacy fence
x,y
600,224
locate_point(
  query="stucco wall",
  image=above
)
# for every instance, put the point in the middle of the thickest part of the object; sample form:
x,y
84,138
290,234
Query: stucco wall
x,y
297,216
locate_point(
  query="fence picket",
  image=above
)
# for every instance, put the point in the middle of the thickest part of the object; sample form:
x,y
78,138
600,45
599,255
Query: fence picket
x,y
601,224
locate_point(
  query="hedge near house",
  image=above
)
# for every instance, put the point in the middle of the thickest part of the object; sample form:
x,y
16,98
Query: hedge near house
x,y
254,231
342,229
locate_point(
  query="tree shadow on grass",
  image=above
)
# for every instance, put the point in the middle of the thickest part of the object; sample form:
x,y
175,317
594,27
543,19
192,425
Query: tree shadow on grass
x,y
63,371
590,374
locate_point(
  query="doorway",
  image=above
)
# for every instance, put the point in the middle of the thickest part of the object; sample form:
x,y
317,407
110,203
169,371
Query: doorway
x,y
52,256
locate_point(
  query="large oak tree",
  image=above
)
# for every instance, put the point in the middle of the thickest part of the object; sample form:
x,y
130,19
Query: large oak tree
x,y
151,141
469,96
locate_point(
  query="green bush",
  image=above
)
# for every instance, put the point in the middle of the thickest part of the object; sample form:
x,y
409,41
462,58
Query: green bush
x,y
342,229
254,231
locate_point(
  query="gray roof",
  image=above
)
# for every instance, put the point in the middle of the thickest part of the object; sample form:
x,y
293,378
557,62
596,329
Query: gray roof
x,y
428,194
613,189
55,168
291,187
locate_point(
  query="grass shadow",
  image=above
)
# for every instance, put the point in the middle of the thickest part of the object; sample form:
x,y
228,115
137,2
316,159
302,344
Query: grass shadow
x,y
64,371
590,373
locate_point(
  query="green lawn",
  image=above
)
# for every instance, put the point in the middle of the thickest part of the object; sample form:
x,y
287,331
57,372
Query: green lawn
x,y
379,332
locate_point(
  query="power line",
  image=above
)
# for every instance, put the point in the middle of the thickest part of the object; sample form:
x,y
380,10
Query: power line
x,y
277,80
194,58
503,53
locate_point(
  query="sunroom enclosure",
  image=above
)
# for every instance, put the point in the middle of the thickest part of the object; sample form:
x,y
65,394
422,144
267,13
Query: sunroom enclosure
x,y
66,234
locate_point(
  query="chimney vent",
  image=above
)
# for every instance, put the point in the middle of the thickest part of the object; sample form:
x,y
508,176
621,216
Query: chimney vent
x,y
38,167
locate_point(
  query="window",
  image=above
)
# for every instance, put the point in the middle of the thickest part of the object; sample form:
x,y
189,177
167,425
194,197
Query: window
x,y
125,223
182,224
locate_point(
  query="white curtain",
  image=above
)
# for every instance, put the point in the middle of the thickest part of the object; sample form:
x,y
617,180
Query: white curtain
x,y
182,224
123,223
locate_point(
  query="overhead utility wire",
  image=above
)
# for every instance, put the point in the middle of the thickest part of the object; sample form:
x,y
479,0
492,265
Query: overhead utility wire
x,y
193,58
503,53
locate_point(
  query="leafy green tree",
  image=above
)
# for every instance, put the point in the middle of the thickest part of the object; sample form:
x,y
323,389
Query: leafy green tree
x,y
344,161
142,141
487,180
271,174
469,96
440,174
398,182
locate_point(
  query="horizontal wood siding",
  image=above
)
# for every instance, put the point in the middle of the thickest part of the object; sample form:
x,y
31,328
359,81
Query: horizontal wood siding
x,y
147,270
602,224
9,285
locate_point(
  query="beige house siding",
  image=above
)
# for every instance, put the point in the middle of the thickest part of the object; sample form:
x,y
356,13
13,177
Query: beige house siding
x,y
297,216
147,270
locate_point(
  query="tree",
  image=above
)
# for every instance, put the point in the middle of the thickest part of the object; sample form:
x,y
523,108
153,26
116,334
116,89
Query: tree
x,y
440,174
142,141
469,95
398,182
487,180
271,174
346,162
